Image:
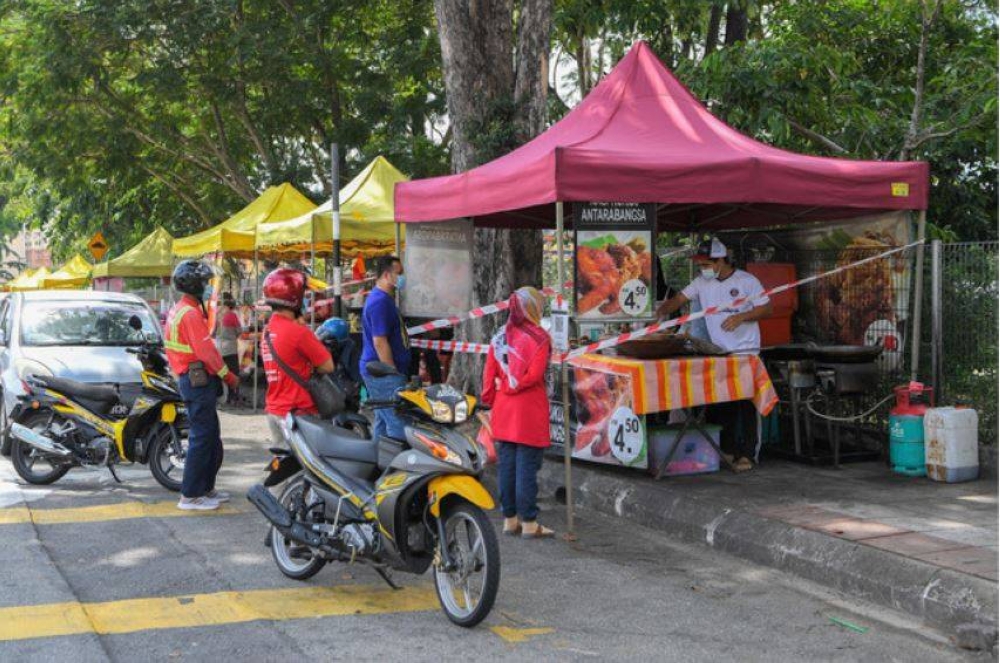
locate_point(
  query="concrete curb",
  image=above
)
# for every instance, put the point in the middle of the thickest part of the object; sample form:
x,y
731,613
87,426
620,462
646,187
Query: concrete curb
x,y
962,606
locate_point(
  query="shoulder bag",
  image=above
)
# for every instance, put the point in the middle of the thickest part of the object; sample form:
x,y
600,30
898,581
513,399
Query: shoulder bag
x,y
327,396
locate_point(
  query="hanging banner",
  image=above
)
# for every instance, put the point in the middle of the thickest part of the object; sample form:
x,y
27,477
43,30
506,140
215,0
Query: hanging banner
x,y
608,429
863,306
438,266
614,260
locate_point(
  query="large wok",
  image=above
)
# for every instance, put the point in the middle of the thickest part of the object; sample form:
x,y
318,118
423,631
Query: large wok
x,y
834,354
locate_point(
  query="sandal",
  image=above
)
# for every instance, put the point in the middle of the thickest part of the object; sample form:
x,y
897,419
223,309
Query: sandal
x,y
744,464
540,532
511,531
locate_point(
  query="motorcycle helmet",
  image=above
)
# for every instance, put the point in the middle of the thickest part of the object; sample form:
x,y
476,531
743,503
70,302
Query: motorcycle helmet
x,y
333,328
285,288
191,277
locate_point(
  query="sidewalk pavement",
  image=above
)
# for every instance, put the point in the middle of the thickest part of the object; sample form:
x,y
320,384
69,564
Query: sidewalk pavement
x,y
911,544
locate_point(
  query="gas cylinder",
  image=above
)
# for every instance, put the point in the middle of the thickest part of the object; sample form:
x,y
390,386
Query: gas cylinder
x,y
906,429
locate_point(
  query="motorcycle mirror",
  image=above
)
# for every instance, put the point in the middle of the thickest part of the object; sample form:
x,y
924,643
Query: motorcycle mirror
x,y
135,323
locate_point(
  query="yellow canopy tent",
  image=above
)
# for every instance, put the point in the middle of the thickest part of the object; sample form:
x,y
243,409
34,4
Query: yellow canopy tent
x,y
367,218
74,274
18,280
29,281
235,235
152,257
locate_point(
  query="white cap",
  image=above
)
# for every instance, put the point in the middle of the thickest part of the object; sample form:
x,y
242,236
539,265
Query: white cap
x,y
712,248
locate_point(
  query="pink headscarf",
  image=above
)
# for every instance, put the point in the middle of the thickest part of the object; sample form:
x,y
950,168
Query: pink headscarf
x,y
522,338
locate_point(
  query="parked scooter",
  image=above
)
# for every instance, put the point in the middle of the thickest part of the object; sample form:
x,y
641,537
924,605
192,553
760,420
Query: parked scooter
x,y
60,424
396,505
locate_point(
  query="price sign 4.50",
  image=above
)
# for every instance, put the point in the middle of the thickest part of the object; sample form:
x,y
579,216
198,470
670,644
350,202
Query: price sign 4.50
x,y
634,297
626,435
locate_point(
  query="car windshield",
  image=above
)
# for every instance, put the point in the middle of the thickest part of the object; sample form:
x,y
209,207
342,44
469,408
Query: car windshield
x,y
84,323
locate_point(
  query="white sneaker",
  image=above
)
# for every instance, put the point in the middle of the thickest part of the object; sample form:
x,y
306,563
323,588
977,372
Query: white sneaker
x,y
197,504
219,496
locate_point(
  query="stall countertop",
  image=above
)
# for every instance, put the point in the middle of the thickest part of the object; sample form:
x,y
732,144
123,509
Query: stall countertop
x,y
659,385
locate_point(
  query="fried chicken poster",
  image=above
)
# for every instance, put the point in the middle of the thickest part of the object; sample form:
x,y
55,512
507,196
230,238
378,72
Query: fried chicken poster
x,y
614,261
601,434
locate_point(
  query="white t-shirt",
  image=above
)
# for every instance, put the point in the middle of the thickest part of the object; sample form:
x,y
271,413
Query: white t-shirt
x,y
714,292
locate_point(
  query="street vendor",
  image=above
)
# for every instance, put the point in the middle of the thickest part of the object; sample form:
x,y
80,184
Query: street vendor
x,y
734,329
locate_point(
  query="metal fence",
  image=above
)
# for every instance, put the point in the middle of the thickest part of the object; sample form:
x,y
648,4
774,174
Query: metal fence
x,y
959,355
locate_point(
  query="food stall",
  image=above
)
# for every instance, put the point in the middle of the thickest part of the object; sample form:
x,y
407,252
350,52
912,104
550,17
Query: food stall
x,y
640,137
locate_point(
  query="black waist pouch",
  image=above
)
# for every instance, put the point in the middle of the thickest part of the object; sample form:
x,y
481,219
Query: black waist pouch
x,y
197,374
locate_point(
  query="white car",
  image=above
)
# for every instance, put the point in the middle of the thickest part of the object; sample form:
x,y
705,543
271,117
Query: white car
x,y
77,334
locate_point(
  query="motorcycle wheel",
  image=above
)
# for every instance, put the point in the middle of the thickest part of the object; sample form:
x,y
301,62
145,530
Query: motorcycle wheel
x,y
468,592
27,460
166,462
295,560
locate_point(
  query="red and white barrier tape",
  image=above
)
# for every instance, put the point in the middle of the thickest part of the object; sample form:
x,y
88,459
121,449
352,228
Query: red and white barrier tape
x,y
713,310
482,348
346,284
451,346
325,302
479,312
319,302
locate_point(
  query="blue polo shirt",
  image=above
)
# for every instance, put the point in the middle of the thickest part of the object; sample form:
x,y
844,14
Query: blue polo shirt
x,y
380,317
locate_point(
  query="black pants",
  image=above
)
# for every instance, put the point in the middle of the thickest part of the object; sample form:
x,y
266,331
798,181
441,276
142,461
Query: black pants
x,y
739,427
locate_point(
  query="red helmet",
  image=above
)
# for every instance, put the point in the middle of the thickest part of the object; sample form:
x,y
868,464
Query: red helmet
x,y
285,288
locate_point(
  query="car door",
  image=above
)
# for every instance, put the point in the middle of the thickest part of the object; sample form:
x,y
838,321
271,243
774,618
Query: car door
x,y
6,327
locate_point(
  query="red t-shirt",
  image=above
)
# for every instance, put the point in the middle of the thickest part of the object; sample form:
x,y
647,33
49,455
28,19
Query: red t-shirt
x,y
299,348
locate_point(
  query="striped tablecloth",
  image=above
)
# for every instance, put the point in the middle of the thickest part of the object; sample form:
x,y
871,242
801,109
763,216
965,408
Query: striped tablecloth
x,y
659,385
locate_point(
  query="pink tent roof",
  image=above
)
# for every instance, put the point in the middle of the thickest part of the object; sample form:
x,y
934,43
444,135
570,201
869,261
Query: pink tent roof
x,y
641,136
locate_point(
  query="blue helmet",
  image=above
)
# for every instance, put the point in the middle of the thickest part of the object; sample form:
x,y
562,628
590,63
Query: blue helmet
x,y
334,328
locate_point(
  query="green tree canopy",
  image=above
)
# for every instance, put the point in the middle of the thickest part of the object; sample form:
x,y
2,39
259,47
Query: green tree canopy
x,y
134,113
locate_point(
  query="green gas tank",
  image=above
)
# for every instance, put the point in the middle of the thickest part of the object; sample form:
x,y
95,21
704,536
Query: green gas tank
x,y
906,429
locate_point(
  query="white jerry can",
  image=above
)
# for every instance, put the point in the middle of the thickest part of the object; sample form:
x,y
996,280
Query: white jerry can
x,y
951,444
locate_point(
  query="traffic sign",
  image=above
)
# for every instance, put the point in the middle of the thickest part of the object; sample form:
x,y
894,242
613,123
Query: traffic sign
x,y
98,247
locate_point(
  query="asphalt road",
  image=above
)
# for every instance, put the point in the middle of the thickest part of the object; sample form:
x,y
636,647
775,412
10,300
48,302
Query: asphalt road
x,y
96,571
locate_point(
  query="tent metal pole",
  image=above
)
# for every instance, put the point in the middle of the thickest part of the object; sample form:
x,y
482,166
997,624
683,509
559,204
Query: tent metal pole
x,y
564,380
399,241
256,323
312,266
335,212
918,294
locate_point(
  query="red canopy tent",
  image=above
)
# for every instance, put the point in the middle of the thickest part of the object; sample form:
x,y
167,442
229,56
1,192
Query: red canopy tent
x,y
640,136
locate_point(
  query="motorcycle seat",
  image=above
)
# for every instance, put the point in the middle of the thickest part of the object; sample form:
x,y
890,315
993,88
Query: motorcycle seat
x,y
103,394
331,441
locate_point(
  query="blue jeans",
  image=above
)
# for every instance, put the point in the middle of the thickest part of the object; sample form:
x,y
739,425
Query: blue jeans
x,y
518,478
387,420
204,453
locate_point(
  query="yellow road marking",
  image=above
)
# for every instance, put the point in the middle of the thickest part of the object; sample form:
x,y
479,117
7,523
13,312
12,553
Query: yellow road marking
x,y
519,634
129,616
103,512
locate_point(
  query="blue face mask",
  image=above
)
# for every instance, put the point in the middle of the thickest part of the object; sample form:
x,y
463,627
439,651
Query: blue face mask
x,y
207,294
401,282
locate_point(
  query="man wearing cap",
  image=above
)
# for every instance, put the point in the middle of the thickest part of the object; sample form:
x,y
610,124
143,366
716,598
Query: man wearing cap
x,y
733,329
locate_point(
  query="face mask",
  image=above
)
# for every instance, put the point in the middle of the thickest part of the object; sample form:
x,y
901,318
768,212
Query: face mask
x,y
207,294
709,273
401,282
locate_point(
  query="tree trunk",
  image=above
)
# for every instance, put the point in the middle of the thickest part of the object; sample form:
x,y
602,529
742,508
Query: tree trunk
x,y
487,70
927,18
736,22
712,35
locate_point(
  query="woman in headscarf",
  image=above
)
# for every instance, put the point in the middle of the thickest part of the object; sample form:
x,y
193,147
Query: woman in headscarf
x,y
514,385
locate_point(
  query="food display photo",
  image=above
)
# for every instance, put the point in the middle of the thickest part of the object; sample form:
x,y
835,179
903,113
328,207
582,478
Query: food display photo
x,y
608,430
614,262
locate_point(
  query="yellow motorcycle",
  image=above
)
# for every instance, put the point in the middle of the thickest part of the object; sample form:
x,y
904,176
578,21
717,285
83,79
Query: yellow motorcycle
x,y
60,424
396,505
